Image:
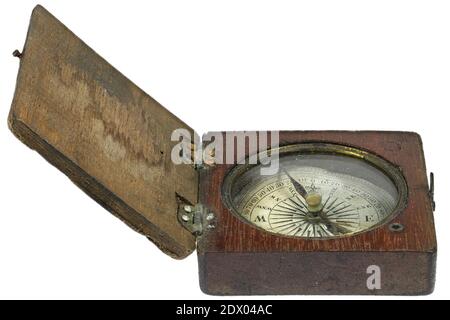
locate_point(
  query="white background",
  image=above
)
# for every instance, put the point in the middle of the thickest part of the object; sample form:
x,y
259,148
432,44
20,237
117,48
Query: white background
x,y
228,65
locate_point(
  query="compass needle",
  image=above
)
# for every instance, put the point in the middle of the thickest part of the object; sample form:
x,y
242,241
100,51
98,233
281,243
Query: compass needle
x,y
298,187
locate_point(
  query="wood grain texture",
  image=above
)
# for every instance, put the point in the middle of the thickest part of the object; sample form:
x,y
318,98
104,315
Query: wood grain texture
x,y
103,132
232,238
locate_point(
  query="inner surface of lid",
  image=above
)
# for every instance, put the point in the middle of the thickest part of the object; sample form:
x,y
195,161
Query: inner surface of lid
x,y
108,136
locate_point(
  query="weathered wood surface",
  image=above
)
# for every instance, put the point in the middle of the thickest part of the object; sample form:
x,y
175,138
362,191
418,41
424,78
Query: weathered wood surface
x,y
103,132
234,243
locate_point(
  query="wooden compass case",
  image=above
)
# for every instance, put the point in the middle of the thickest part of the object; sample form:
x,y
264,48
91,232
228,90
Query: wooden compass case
x,y
238,258
114,142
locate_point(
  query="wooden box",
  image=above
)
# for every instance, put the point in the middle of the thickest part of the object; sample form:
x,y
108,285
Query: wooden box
x,y
239,259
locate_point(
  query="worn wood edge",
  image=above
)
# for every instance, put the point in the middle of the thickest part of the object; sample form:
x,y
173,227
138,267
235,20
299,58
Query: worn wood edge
x,y
96,190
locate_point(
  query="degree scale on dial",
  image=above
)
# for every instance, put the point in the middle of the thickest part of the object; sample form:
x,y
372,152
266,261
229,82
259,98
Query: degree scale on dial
x,y
349,202
315,196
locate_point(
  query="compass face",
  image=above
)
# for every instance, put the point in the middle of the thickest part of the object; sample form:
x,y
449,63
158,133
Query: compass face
x,y
319,192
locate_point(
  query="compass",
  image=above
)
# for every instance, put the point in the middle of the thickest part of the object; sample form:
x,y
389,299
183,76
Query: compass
x,y
345,212
320,191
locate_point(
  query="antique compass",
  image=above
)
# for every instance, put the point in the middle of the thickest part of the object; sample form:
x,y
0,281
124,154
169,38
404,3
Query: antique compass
x,y
345,212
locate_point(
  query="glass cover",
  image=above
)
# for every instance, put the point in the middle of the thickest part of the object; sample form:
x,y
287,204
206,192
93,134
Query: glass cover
x,y
317,193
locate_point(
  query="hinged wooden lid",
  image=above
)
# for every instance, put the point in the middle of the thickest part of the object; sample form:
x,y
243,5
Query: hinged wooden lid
x,y
103,132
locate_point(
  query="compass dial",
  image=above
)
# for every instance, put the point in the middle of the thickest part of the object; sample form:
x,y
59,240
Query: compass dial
x,y
317,195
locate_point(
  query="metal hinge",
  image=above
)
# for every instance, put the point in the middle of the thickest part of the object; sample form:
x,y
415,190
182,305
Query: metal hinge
x,y
196,218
